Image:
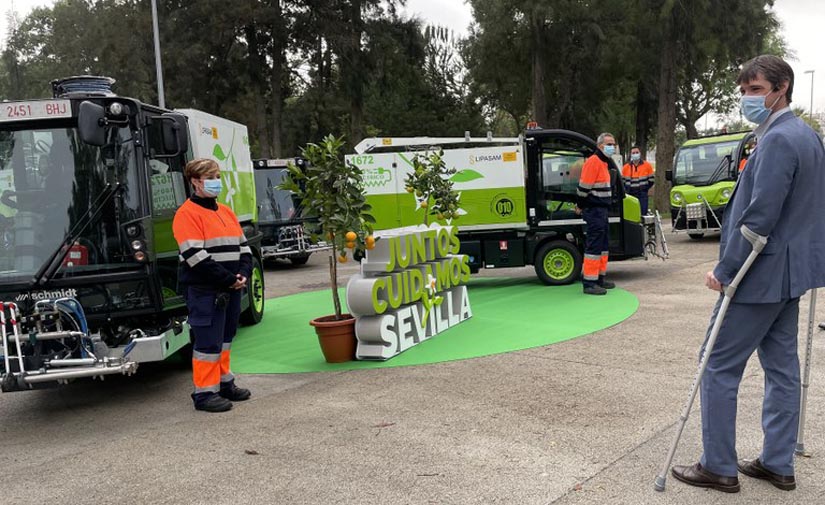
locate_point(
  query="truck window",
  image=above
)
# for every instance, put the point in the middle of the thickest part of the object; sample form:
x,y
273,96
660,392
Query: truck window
x,y
51,183
167,181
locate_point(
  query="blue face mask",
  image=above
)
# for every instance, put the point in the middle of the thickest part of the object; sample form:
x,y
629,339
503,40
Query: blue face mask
x,y
754,109
609,150
635,157
213,187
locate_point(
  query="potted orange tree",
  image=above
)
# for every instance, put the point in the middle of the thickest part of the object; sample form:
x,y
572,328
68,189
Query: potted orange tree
x,y
331,190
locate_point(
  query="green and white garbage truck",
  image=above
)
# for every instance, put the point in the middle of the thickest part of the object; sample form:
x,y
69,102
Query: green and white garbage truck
x,y
88,263
280,217
516,199
705,171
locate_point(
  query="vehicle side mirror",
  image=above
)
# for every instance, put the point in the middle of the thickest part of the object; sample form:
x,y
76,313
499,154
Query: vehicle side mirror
x,y
669,175
90,119
175,134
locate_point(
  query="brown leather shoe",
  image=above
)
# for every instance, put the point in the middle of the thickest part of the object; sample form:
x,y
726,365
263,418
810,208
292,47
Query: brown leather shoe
x,y
753,468
697,476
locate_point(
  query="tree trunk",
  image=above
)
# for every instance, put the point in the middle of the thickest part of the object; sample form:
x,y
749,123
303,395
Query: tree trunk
x,y
690,127
256,74
642,117
333,277
666,129
539,94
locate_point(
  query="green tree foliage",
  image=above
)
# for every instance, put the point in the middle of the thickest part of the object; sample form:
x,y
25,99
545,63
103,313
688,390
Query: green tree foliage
x,y
331,190
431,182
293,71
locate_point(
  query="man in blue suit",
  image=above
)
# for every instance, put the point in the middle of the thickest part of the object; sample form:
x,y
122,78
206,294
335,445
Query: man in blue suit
x,y
778,196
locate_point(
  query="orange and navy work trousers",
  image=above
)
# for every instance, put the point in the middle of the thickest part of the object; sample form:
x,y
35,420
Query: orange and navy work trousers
x,y
596,245
213,317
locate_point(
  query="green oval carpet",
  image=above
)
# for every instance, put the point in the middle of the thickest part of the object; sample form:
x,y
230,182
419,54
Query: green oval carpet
x,y
508,315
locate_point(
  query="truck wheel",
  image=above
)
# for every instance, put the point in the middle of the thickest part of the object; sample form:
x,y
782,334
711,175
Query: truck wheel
x,y
255,291
558,262
299,260
696,236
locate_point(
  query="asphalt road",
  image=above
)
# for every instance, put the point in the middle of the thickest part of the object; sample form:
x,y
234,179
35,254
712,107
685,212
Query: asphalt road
x,y
586,421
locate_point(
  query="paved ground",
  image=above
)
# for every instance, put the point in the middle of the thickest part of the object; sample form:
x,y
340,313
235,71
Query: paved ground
x,y
587,421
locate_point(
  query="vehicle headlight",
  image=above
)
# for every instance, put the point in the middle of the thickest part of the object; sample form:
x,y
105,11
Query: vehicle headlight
x,y
726,193
677,197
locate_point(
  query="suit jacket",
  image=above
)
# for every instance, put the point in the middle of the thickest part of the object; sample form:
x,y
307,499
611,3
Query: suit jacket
x,y
781,195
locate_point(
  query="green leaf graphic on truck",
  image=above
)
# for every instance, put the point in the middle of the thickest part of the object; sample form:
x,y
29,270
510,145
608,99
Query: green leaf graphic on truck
x,y
231,178
466,176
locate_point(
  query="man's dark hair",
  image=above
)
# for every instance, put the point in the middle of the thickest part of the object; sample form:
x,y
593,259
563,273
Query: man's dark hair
x,y
634,146
773,68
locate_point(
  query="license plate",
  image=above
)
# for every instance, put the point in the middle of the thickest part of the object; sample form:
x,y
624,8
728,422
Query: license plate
x,y
39,109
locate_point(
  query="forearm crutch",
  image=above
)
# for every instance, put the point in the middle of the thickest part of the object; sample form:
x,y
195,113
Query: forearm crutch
x,y
757,243
806,379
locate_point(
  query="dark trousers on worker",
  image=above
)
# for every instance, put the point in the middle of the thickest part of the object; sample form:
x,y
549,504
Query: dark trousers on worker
x,y
213,317
643,199
770,329
596,245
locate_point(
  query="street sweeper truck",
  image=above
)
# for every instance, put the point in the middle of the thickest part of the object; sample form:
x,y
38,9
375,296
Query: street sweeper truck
x,y
89,184
516,199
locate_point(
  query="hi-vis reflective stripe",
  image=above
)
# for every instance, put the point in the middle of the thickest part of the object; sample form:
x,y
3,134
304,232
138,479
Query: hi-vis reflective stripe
x,y
220,241
196,258
206,356
191,244
226,256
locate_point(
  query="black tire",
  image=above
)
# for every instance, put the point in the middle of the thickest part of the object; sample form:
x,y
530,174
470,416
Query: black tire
x,y
696,236
255,295
299,260
558,262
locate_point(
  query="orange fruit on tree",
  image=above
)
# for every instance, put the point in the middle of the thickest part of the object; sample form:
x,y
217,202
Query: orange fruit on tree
x,y
350,245
424,204
370,240
351,236
342,258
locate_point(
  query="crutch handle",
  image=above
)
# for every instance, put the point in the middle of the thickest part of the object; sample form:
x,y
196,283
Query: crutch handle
x,y
757,241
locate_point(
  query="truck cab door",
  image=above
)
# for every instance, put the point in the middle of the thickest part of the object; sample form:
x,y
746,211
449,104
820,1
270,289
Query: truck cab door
x,y
555,159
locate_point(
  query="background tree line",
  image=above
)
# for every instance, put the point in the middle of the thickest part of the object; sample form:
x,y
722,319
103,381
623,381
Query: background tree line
x,y
296,70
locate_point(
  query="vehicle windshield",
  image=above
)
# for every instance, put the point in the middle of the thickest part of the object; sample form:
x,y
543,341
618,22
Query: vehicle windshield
x,y
49,181
696,164
274,205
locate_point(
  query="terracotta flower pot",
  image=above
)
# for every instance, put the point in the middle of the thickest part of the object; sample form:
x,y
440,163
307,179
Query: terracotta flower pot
x,y
337,338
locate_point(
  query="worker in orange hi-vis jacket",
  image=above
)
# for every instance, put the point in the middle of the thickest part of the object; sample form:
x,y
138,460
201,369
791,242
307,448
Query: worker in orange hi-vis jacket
x,y
637,176
594,200
215,263
745,155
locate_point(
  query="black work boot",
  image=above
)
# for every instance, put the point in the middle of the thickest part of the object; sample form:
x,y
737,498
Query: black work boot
x,y
234,393
213,403
594,290
605,283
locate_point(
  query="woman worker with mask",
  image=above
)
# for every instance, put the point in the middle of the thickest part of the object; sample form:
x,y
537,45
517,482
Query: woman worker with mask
x,y
215,263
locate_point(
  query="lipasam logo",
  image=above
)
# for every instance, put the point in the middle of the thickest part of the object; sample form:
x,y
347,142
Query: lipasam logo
x,y
484,157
